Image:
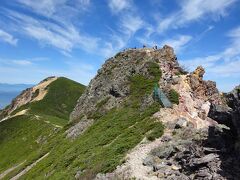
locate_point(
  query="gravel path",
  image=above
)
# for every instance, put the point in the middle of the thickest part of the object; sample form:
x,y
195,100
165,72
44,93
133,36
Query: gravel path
x,y
2,175
28,168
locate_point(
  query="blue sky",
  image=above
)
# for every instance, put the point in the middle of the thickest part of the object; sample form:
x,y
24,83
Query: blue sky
x,y
73,38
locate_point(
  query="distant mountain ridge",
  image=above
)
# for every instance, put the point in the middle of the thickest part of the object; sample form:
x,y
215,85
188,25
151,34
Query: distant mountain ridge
x,y
10,91
5,87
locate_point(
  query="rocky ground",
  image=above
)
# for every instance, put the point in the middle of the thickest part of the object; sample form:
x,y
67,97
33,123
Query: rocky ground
x,y
195,154
201,138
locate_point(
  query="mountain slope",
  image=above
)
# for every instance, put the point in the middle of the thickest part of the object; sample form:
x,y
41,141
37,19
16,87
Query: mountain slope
x,y
6,98
25,130
111,117
118,128
10,91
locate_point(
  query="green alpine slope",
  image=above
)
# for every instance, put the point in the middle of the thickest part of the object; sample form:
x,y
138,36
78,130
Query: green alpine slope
x,y
23,137
103,146
50,154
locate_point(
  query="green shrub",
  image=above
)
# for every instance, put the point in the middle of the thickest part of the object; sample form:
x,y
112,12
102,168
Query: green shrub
x,y
156,132
174,133
173,96
153,70
35,94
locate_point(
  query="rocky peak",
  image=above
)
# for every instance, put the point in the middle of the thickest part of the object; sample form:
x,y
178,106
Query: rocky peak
x,y
199,72
203,89
111,84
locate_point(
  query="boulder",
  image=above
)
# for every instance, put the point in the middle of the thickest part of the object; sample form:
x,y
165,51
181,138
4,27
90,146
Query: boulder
x,y
148,161
181,122
204,160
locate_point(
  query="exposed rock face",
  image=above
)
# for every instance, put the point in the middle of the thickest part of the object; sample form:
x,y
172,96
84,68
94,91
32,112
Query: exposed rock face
x,y
203,89
229,114
111,86
79,128
112,80
191,153
233,101
194,146
35,93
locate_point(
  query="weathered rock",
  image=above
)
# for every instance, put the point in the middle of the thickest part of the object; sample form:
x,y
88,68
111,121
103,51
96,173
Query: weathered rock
x,y
203,174
181,122
196,156
233,101
159,166
166,138
78,174
221,113
204,160
199,72
176,168
149,161
165,151
229,114
79,128
207,90
112,81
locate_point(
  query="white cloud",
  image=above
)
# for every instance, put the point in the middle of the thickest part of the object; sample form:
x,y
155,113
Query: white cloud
x,y
235,33
61,35
45,7
22,62
117,6
131,24
226,69
51,8
16,62
225,63
234,48
6,37
177,43
206,62
194,10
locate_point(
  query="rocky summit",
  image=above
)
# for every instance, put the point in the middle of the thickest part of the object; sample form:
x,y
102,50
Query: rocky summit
x,y
142,116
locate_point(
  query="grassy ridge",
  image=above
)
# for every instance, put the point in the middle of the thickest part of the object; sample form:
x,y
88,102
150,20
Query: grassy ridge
x,y
58,103
60,100
104,145
26,137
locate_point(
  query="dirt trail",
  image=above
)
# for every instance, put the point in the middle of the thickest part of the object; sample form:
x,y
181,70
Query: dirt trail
x,y
136,157
28,168
42,89
134,162
10,170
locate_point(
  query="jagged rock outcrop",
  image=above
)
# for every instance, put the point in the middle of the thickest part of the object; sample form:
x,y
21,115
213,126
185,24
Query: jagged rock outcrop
x,y
203,89
111,86
233,101
194,146
112,80
228,113
35,93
